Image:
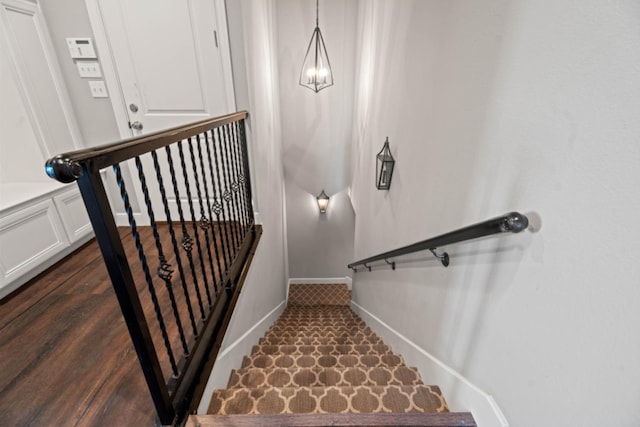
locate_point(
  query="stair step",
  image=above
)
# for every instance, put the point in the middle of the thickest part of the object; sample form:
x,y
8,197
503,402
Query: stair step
x,y
323,377
318,309
372,339
288,400
321,323
443,419
311,331
319,350
326,361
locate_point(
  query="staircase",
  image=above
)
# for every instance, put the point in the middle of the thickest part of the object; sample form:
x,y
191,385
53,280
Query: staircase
x,y
320,359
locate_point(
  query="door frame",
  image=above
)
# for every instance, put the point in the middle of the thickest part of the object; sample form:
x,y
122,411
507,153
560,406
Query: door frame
x,y
110,72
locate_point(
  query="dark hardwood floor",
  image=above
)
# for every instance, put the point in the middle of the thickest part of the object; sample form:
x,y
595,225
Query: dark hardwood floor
x,y
66,358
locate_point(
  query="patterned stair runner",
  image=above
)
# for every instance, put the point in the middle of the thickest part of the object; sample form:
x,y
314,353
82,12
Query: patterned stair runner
x,y
320,357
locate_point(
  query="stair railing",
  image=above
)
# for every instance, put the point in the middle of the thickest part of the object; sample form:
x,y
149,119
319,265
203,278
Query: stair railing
x,y
177,291
513,222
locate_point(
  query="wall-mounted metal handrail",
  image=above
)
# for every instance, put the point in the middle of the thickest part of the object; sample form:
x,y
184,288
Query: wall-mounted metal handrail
x,y
513,222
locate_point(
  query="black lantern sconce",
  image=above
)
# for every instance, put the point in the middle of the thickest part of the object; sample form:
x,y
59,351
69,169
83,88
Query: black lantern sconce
x,y
323,202
384,167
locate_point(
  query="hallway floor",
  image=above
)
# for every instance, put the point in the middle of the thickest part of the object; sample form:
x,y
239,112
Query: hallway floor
x,y
65,354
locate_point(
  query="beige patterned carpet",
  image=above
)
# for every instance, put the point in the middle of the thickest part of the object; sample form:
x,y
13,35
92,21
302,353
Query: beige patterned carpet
x,y
320,357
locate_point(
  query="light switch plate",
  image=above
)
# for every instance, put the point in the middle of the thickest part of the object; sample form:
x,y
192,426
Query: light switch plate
x,y
98,89
81,48
89,69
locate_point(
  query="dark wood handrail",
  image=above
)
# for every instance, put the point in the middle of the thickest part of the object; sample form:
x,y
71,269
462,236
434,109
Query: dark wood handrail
x,y
66,167
513,222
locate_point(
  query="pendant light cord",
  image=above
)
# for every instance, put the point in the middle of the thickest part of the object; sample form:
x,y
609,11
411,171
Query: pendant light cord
x,y
317,13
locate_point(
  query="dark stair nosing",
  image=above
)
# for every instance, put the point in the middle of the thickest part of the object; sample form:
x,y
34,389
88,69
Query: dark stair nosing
x,y
448,419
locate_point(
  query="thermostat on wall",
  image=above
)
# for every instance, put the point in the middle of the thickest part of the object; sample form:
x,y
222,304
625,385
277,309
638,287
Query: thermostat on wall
x,y
81,48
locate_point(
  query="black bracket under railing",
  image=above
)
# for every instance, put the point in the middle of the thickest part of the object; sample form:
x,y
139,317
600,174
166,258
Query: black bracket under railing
x,y
513,222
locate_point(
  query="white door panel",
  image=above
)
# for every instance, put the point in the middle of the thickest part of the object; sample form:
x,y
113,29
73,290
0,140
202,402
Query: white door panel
x,y
167,60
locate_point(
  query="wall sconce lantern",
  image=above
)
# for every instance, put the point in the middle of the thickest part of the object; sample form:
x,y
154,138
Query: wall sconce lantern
x,y
323,202
316,71
384,167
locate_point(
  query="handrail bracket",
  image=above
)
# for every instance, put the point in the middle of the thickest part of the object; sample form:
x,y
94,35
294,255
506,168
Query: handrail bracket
x,y
443,257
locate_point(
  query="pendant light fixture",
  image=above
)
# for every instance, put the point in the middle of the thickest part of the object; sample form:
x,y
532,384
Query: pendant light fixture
x,y
316,71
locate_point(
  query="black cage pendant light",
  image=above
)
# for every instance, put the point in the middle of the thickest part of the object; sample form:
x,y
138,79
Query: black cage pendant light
x,y
316,71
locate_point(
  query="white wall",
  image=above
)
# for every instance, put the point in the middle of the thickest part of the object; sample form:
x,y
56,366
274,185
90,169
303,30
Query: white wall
x,y
495,106
316,131
264,289
69,18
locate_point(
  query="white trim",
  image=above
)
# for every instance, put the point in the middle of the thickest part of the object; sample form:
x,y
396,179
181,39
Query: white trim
x,y
107,63
313,280
459,392
229,358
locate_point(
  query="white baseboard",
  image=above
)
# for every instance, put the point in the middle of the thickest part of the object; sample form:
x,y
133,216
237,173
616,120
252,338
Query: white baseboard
x,y
231,356
461,395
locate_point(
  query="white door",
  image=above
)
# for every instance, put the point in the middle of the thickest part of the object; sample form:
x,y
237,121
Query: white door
x,y
170,58
166,63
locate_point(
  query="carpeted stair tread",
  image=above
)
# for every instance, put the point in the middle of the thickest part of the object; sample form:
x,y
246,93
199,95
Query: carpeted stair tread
x,y
371,339
321,357
331,323
319,333
289,400
325,361
323,377
319,350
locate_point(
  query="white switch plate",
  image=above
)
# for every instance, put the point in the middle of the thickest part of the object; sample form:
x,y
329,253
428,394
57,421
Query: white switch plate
x,y
81,48
89,69
98,89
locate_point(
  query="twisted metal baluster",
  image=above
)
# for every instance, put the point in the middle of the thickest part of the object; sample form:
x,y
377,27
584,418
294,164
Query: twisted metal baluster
x,y
204,221
228,192
174,240
247,175
194,223
187,241
238,182
227,244
164,269
145,267
215,206
213,235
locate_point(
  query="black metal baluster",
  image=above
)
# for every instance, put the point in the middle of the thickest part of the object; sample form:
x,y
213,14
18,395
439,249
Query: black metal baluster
x,y
228,193
194,222
187,241
204,221
213,234
220,183
172,233
216,206
145,267
164,270
238,178
247,175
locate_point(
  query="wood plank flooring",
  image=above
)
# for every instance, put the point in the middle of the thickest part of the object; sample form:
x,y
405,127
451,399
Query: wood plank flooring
x,y
66,358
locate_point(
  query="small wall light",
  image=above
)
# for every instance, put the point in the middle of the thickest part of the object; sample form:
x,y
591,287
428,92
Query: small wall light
x,y
323,202
384,167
